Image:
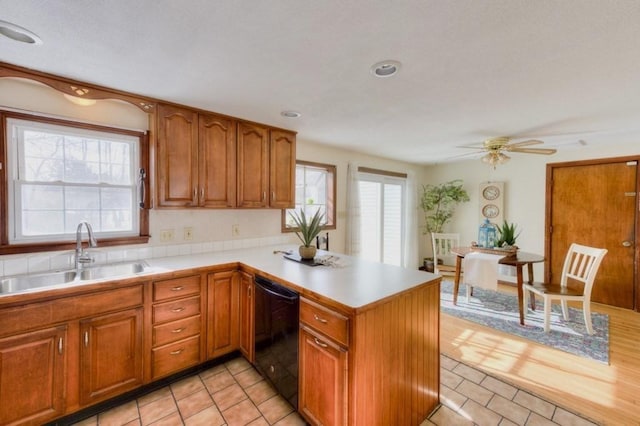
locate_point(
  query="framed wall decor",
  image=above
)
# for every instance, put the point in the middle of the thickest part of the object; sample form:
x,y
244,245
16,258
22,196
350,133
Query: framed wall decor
x,y
492,202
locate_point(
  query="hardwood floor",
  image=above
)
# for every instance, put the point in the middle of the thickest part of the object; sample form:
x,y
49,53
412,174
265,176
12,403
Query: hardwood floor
x,y
607,394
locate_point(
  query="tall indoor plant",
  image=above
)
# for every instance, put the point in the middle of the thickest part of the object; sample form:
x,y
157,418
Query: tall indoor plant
x,y
439,202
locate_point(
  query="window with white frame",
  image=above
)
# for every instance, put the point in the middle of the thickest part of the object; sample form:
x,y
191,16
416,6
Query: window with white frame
x,y
382,217
62,175
315,190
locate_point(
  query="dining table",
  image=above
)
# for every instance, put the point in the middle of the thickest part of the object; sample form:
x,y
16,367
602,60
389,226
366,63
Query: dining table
x,y
519,260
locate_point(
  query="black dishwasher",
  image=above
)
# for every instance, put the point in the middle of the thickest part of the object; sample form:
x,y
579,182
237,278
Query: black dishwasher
x,y
276,336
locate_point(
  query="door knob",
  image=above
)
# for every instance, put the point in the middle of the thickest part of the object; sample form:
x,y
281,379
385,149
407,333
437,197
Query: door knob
x,y
626,243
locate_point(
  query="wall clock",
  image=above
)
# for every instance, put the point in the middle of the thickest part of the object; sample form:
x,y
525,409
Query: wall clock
x,y
491,202
491,192
490,211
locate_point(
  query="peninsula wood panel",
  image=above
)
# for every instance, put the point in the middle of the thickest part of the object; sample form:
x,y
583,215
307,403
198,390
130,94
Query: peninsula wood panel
x,y
395,362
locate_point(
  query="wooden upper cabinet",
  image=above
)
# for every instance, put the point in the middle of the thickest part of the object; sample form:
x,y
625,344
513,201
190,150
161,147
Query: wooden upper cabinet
x,y
282,175
253,165
209,160
196,159
266,167
217,161
177,156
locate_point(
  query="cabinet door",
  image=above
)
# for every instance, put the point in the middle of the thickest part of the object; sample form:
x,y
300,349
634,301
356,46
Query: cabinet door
x,y
217,161
253,165
322,380
223,313
110,355
32,372
247,316
282,176
177,156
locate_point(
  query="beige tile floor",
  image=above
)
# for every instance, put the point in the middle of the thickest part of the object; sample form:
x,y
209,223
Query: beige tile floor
x,y
235,394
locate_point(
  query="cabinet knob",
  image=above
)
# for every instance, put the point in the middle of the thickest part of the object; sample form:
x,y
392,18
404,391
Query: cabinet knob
x,y
86,339
60,346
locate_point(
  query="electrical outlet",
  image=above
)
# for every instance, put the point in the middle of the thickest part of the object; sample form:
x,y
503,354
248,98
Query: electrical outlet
x,y
166,235
235,230
188,233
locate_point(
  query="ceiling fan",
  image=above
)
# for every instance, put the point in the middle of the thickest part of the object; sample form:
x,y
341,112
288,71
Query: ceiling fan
x,y
495,149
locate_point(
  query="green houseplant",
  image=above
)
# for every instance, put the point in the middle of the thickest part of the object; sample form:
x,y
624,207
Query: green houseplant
x,y
308,229
439,202
507,235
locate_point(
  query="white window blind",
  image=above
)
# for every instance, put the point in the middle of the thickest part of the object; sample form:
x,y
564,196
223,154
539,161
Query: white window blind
x,y
382,213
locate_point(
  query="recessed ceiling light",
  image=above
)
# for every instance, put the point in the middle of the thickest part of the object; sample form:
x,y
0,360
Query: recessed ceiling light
x,y
17,33
385,69
290,114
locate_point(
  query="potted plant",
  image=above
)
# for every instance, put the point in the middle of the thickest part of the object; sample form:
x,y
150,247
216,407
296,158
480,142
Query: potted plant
x,y
507,235
308,230
438,203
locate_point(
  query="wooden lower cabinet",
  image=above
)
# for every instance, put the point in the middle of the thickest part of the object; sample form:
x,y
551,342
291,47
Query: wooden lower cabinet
x,y
32,375
247,315
322,379
176,325
110,355
223,313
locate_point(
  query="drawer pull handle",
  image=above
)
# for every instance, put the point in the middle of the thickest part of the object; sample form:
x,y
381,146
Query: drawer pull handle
x,y
177,310
177,288
317,318
320,343
178,330
60,346
178,352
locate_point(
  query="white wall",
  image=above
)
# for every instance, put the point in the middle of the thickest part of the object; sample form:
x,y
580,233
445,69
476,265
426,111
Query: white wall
x,y
525,182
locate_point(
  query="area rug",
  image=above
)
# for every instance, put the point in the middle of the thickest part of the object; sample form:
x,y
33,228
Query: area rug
x,y
500,311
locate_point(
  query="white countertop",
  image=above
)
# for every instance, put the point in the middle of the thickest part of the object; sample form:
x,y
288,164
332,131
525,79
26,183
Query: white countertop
x,y
356,283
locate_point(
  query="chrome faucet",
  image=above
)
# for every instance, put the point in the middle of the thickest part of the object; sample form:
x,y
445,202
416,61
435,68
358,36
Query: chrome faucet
x,y
83,257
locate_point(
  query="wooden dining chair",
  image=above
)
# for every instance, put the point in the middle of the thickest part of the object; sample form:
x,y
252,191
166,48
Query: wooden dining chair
x,y
578,274
444,263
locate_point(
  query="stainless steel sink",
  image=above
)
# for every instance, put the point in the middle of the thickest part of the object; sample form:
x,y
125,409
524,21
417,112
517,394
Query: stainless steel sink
x,y
28,282
21,283
113,270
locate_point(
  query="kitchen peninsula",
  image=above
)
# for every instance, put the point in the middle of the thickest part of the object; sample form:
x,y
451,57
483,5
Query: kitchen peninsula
x,y
369,335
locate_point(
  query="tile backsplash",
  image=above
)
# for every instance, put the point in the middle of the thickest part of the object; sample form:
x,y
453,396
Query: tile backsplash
x,y
40,262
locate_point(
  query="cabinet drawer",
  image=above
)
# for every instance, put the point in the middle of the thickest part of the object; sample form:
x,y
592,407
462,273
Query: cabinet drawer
x,y
176,330
176,356
176,309
328,322
176,287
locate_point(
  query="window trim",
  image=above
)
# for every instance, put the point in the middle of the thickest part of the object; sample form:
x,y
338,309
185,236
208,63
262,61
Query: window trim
x,y
331,197
6,247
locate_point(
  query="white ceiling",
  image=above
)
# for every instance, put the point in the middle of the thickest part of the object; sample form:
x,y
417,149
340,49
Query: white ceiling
x,y
471,69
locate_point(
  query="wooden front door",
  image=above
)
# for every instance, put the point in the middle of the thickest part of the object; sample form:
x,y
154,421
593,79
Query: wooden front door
x,y
594,203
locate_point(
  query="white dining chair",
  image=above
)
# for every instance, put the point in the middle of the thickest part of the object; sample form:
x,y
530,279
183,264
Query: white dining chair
x,y
578,274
